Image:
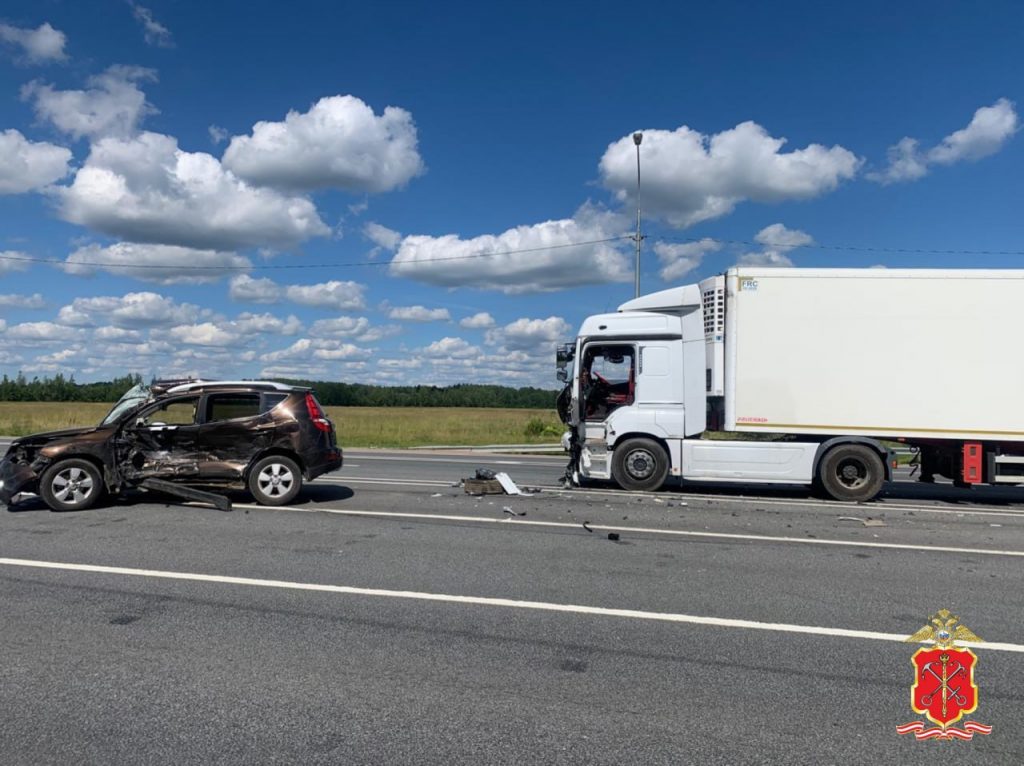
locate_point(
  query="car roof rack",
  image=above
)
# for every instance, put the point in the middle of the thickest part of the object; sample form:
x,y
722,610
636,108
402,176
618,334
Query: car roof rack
x,y
263,385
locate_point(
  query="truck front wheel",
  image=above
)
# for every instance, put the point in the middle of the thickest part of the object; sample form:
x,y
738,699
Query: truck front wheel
x,y
640,465
851,472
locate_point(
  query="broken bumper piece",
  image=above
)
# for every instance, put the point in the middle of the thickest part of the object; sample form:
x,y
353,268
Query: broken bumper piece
x,y
16,478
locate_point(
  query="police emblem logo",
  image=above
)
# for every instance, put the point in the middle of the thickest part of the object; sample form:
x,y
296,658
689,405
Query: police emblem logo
x,y
944,690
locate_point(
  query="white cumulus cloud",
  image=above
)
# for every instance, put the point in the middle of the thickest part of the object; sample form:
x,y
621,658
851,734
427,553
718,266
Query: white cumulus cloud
x,y
39,45
539,258
163,264
27,165
481,320
335,294
988,131
339,143
690,177
531,335
20,301
776,241
112,105
319,349
132,311
13,260
451,348
146,189
419,314
679,259
204,334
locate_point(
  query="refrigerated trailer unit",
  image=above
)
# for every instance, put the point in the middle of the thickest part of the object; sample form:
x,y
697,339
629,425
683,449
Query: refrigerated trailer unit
x,y
825,366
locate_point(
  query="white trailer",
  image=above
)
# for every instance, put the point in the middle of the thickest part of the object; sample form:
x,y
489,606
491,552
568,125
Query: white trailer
x,y
822,363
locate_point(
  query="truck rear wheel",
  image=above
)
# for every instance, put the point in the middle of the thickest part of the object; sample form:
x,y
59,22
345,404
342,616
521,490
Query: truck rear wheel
x,y
851,472
640,465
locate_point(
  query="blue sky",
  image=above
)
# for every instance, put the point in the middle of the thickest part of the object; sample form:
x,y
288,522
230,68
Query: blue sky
x,y
342,191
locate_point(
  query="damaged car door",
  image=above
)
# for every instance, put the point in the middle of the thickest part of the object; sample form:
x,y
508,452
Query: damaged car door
x,y
235,428
162,442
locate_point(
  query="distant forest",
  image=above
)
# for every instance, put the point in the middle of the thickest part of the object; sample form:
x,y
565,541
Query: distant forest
x,y
61,389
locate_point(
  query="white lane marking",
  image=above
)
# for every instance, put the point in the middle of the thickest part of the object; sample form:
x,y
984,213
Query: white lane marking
x,y
389,482
741,499
510,520
545,606
481,460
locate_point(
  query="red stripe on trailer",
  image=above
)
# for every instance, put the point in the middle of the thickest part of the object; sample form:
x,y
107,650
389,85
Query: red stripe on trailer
x,y
972,463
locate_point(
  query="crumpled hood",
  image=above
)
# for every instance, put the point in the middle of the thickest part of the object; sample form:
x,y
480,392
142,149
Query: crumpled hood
x,y
36,440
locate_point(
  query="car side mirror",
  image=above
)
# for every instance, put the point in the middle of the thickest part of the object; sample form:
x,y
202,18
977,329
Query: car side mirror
x,y
140,422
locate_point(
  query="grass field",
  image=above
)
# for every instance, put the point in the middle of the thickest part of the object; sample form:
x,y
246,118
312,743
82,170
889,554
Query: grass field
x,y
357,426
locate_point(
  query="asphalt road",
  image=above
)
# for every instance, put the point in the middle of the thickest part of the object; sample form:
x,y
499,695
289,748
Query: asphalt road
x,y
391,618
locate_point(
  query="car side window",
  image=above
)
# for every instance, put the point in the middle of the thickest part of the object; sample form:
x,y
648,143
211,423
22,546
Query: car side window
x,y
180,412
231,406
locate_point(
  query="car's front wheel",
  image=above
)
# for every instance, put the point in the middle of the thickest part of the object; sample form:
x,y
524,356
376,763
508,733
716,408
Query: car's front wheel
x,y
275,480
71,485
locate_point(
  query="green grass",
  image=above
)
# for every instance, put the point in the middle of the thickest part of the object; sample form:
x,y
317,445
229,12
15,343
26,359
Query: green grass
x,y
357,426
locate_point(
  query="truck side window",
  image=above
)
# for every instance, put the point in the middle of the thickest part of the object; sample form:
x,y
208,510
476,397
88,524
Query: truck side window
x,y
607,380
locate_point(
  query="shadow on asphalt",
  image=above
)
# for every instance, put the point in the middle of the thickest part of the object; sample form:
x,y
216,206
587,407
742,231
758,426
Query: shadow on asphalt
x,y
311,493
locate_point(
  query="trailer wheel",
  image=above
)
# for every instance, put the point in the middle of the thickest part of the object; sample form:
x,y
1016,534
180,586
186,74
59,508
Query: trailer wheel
x,y
851,472
640,465
71,485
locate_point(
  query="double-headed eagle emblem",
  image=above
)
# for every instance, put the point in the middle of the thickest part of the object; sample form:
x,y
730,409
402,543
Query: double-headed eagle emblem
x,y
944,629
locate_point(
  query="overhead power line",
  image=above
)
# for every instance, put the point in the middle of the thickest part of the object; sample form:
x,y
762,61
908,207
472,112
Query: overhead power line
x,y
472,256
275,266
852,248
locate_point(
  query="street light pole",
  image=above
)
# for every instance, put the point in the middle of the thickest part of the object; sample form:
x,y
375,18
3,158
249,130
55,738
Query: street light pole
x,y
637,138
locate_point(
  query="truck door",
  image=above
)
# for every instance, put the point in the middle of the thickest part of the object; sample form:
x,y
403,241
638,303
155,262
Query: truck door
x,y
607,379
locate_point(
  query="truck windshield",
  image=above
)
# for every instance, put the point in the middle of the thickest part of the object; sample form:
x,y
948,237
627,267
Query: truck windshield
x,y
132,399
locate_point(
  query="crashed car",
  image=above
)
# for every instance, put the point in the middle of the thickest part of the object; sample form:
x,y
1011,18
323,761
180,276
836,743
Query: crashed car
x,y
266,437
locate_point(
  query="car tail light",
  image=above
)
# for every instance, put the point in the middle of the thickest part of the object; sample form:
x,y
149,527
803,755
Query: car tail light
x,y
316,414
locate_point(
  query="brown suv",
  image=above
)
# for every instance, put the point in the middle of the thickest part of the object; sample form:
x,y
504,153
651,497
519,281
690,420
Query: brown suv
x,y
263,436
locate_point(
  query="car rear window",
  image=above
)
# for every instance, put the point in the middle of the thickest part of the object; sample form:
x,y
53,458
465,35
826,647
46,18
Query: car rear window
x,y
232,406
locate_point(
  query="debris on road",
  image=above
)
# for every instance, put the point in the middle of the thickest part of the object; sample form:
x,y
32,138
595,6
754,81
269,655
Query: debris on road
x,y
507,484
613,536
870,522
585,523
220,502
436,494
508,510
487,482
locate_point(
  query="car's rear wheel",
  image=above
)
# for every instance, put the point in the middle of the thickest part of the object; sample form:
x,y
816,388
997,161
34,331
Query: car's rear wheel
x,y
71,485
275,480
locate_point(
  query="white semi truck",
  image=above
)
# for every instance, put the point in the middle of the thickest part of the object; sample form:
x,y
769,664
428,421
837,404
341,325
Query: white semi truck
x,y
824,365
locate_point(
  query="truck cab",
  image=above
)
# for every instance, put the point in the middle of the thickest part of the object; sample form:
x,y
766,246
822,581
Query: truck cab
x,y
641,385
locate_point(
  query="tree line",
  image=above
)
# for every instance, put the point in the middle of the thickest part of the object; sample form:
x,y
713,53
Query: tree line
x,y
330,393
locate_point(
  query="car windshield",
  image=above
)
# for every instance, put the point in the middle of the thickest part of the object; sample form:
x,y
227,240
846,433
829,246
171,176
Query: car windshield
x,y
132,399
